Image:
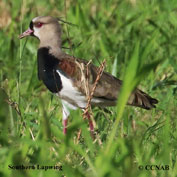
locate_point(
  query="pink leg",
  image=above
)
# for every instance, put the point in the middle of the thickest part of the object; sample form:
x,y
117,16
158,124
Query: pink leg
x,y
90,125
65,126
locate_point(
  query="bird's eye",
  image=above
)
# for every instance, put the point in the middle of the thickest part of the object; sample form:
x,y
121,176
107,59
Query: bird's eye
x,y
38,24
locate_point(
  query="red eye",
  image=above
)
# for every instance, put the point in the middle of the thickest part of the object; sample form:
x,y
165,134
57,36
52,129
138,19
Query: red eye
x,y
38,24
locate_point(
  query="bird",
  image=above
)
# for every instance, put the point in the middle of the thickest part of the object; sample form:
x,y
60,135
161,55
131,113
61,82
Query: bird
x,y
63,74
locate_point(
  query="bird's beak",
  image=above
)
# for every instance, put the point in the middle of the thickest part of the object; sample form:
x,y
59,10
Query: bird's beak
x,y
28,32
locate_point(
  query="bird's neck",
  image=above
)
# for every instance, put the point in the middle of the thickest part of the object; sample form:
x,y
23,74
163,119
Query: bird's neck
x,y
53,45
52,42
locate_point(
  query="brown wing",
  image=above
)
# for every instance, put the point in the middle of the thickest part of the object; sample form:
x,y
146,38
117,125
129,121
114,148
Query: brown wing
x,y
108,86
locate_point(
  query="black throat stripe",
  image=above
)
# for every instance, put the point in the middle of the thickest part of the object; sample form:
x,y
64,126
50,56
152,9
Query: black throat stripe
x,y
31,25
47,66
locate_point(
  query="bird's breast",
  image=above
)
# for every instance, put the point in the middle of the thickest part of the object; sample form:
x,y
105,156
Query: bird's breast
x,y
52,81
47,65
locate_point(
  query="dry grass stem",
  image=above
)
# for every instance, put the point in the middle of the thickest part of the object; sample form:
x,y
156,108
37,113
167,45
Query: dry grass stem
x,y
90,95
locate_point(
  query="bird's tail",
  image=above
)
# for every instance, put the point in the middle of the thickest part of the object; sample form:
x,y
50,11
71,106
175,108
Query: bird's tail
x,y
140,99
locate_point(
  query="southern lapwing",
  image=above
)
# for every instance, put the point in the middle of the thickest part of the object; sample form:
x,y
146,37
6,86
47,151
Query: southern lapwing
x,y
62,74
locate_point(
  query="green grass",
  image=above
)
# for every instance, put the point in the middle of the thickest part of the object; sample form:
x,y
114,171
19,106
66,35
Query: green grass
x,y
139,42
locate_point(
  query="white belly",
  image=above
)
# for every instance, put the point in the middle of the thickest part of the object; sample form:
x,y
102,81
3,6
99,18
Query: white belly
x,y
75,98
70,93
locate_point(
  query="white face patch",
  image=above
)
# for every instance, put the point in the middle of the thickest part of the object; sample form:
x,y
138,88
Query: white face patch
x,y
36,32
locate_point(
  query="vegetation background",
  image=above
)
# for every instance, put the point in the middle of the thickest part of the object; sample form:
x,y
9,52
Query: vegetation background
x,y
138,39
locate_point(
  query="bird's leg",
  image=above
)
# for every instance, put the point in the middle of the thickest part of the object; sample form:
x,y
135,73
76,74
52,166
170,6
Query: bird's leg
x,y
65,121
90,124
65,117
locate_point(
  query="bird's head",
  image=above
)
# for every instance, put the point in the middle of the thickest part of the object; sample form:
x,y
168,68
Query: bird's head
x,y
45,28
